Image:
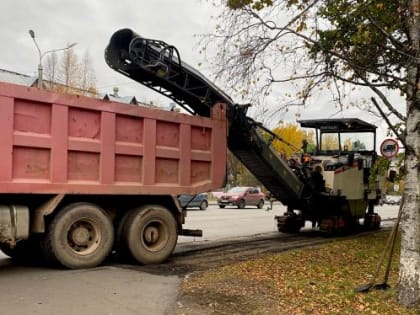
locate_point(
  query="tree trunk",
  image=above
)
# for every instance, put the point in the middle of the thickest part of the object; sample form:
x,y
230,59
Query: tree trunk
x,y
409,277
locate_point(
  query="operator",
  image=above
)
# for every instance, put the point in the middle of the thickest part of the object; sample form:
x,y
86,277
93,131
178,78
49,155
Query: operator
x,y
305,159
318,180
318,184
304,146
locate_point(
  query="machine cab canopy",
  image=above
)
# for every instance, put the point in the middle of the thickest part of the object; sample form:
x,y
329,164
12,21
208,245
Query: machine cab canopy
x,y
342,135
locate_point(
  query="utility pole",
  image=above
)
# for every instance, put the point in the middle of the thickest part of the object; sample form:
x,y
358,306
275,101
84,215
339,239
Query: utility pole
x,y
42,54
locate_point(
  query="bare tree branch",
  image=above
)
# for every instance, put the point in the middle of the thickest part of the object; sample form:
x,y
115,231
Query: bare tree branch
x,y
390,125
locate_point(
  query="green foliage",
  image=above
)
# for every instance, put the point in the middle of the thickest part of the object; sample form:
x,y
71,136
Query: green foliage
x,y
380,167
364,43
400,166
365,37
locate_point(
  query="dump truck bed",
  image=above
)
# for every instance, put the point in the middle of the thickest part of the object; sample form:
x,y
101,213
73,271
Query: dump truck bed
x,y
56,143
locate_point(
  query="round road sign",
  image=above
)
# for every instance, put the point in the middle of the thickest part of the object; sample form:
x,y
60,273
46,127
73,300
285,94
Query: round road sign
x,y
389,148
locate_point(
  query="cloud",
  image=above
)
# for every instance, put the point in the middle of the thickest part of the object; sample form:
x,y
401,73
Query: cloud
x,y
91,24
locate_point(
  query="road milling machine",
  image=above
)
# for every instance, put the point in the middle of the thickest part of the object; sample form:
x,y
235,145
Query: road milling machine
x,y
329,187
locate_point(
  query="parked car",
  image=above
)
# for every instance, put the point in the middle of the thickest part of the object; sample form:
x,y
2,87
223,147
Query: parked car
x,y
242,197
392,199
194,201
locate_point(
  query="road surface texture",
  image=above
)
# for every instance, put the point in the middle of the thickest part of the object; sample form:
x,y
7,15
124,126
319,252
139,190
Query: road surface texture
x,y
118,287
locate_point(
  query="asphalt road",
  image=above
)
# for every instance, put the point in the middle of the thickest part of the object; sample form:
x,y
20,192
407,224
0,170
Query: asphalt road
x,y
103,290
126,289
232,222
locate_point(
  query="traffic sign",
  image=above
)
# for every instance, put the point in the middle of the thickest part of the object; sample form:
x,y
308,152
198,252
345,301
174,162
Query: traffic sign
x,y
389,148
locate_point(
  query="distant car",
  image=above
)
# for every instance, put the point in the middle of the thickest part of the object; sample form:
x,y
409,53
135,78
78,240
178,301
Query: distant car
x,y
194,201
242,197
392,199
216,194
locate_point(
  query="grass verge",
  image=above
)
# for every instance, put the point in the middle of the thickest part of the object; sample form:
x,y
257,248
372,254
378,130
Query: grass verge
x,y
317,280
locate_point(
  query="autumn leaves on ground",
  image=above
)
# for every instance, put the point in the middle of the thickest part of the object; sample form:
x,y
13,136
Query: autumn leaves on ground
x,y
317,280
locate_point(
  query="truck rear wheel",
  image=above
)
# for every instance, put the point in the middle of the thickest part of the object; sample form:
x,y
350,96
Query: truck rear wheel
x,y
81,235
150,234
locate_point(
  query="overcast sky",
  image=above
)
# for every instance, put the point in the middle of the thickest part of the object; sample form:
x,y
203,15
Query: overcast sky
x,y
91,23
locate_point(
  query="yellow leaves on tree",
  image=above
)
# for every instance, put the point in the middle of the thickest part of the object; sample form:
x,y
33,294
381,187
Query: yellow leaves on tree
x,y
330,142
294,135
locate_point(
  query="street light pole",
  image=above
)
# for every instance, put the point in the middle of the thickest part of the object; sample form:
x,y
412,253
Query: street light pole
x,y
41,55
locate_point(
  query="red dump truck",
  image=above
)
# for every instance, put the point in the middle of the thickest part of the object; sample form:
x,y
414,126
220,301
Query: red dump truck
x,y
80,177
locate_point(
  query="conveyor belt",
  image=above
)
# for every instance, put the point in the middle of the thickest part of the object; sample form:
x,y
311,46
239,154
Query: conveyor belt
x,y
158,66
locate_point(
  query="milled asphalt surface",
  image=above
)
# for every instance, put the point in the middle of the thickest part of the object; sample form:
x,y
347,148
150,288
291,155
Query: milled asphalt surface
x,y
125,289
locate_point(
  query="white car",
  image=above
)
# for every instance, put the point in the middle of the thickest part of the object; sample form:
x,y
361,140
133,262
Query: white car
x,y
392,199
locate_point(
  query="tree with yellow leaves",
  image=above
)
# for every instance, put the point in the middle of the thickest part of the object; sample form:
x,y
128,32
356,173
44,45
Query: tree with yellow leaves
x,y
293,135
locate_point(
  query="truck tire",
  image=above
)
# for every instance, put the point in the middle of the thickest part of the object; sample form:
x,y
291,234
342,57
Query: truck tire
x,y
150,234
119,243
81,235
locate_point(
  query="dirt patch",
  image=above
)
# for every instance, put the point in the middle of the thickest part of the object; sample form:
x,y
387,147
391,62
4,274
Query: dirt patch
x,y
241,299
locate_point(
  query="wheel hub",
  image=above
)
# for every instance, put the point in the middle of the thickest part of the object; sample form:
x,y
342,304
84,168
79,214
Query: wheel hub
x,y
83,238
80,235
151,234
